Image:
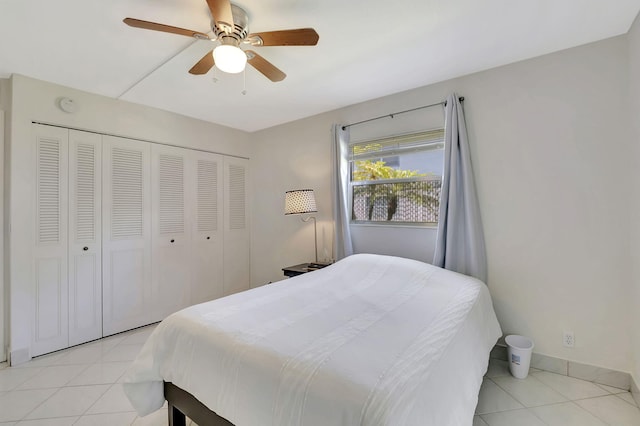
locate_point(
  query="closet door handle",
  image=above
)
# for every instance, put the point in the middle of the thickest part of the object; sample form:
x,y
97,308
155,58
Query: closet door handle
x,y
173,241
208,238
85,248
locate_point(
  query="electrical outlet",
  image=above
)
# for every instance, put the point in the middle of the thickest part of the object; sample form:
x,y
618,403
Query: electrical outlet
x,y
568,340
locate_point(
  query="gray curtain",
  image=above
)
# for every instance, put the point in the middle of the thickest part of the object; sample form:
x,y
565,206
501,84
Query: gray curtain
x,y
460,241
342,237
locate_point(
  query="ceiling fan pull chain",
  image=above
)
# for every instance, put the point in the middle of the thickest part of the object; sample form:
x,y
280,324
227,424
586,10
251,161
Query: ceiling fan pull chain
x,y
244,82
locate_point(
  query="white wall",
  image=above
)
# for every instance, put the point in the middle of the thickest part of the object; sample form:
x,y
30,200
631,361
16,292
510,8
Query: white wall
x,y
5,102
3,288
634,98
34,100
548,146
297,155
3,296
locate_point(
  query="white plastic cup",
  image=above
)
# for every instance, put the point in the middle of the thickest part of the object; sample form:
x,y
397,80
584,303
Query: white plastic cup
x,y
519,349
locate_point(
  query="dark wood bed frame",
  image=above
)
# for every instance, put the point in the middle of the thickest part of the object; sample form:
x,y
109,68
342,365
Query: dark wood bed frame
x,y
182,404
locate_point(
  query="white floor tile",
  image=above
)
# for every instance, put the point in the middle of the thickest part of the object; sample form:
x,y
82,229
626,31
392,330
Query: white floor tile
x,y
8,423
108,419
122,352
522,417
17,404
139,337
69,401
52,377
477,421
530,391
82,355
157,418
497,368
10,378
101,373
493,399
113,401
612,410
41,361
626,396
569,387
566,414
106,343
60,421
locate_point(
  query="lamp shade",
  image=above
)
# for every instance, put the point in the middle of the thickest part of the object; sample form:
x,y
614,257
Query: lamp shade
x,y
300,201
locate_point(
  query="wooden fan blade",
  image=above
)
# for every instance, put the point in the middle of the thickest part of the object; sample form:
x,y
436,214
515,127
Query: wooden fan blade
x,y
221,12
204,65
265,67
137,23
298,37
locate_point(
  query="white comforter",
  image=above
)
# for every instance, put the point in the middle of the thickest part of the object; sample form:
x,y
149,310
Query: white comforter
x,y
370,340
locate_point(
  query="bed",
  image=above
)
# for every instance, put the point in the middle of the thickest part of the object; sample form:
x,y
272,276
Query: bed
x,y
369,340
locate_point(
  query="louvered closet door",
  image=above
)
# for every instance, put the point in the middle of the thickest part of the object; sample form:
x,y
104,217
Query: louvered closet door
x,y
50,330
236,225
171,271
206,214
85,247
126,234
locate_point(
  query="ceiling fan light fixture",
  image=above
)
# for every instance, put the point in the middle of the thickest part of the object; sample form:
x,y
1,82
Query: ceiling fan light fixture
x,y
229,58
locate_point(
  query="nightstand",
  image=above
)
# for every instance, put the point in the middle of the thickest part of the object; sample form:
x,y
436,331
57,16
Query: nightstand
x,y
303,268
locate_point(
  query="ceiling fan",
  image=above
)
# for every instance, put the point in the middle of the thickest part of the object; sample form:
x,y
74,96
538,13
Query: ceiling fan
x,y
231,29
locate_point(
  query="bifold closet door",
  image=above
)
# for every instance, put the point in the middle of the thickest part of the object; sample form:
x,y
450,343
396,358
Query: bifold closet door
x,y
206,173
50,330
236,225
171,242
126,234
85,246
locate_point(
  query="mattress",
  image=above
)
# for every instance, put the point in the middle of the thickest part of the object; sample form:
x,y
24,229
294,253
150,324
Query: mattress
x,y
369,340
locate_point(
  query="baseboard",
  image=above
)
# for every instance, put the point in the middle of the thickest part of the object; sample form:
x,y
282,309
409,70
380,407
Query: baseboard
x,y
635,391
19,356
603,376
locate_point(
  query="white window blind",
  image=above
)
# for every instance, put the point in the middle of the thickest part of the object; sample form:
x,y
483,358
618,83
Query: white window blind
x,y
397,145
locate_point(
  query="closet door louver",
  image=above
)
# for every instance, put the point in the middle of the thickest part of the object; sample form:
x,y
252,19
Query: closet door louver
x,y
85,246
126,234
236,226
50,325
207,257
171,271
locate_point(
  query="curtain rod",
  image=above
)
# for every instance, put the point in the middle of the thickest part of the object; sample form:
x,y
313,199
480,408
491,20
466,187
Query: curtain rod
x,y
461,98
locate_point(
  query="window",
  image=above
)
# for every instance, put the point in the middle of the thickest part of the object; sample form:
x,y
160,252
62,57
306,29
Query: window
x,y
397,180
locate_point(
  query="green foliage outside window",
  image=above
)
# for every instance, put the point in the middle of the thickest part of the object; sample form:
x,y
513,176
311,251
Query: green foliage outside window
x,y
367,170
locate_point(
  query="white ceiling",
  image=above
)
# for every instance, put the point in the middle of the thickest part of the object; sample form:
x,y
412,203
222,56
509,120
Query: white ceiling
x,y
367,49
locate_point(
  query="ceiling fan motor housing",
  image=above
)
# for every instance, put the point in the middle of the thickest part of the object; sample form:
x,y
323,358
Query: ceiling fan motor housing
x,y
240,29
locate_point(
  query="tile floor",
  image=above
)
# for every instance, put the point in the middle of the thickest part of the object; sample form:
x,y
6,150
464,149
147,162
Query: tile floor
x,y
81,386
